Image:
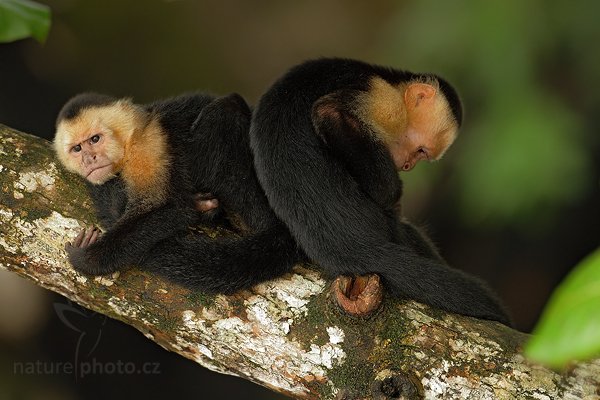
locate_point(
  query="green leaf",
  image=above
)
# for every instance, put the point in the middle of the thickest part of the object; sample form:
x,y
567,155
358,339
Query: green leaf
x,y
569,328
20,19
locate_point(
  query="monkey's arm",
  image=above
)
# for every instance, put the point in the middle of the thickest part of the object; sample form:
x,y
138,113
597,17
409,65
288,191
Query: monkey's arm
x,y
110,200
128,240
367,160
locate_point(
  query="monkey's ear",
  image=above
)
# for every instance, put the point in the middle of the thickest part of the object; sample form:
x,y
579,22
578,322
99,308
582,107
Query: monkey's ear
x,y
326,108
330,115
416,93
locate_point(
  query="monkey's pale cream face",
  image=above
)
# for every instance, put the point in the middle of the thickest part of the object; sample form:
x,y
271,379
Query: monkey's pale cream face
x,y
93,143
420,142
95,165
429,130
87,155
413,119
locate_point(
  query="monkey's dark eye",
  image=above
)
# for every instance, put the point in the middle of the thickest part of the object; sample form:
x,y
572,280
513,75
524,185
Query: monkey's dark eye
x,y
76,149
95,138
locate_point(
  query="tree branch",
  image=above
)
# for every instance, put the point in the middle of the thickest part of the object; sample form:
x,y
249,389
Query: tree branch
x,y
289,334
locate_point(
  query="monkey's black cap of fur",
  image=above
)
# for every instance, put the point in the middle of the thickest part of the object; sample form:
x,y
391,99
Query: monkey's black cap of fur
x,y
74,106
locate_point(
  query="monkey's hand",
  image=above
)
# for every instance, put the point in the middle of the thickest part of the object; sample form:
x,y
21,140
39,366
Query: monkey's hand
x,y
76,249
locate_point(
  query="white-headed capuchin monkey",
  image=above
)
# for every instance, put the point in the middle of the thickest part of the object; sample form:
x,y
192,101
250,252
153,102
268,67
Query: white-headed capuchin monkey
x,y
328,139
150,169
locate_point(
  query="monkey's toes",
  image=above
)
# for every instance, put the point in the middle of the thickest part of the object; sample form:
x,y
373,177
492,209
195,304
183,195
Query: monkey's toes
x,y
205,202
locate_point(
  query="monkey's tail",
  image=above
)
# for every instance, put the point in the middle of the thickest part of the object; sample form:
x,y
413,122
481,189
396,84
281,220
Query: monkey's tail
x,y
225,265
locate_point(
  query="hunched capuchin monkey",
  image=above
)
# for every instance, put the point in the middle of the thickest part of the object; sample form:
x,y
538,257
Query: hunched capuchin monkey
x,y
328,140
150,169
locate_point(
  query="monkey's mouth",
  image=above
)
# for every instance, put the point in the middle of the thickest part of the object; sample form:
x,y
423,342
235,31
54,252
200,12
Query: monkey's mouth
x,y
98,172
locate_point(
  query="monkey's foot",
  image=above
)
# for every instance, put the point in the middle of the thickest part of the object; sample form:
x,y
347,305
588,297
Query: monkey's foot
x,y
358,296
205,202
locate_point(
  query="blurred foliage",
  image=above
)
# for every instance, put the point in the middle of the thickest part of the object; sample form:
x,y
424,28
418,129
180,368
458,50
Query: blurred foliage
x,y
569,328
20,19
524,152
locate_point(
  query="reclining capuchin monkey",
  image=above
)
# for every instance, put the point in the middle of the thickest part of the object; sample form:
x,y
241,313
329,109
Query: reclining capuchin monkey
x,y
151,169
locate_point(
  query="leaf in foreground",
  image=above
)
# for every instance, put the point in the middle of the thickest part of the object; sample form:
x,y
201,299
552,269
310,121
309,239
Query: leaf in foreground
x,y
20,19
569,328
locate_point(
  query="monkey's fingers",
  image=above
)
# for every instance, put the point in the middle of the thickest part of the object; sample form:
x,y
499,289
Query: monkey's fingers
x,y
77,241
95,235
89,232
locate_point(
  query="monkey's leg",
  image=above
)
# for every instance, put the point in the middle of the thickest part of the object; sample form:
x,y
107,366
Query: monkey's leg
x,y
223,163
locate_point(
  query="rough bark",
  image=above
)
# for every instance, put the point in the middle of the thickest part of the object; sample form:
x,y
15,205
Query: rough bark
x,y
288,334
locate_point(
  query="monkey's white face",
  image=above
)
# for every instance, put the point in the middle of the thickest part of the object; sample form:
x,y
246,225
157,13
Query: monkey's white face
x,y
421,142
430,128
89,149
95,165
413,119
88,155
93,143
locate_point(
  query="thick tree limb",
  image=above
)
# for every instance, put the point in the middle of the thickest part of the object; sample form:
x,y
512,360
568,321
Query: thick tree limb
x,y
289,335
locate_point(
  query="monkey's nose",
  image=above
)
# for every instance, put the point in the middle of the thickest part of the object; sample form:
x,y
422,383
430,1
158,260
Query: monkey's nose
x,y
88,159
